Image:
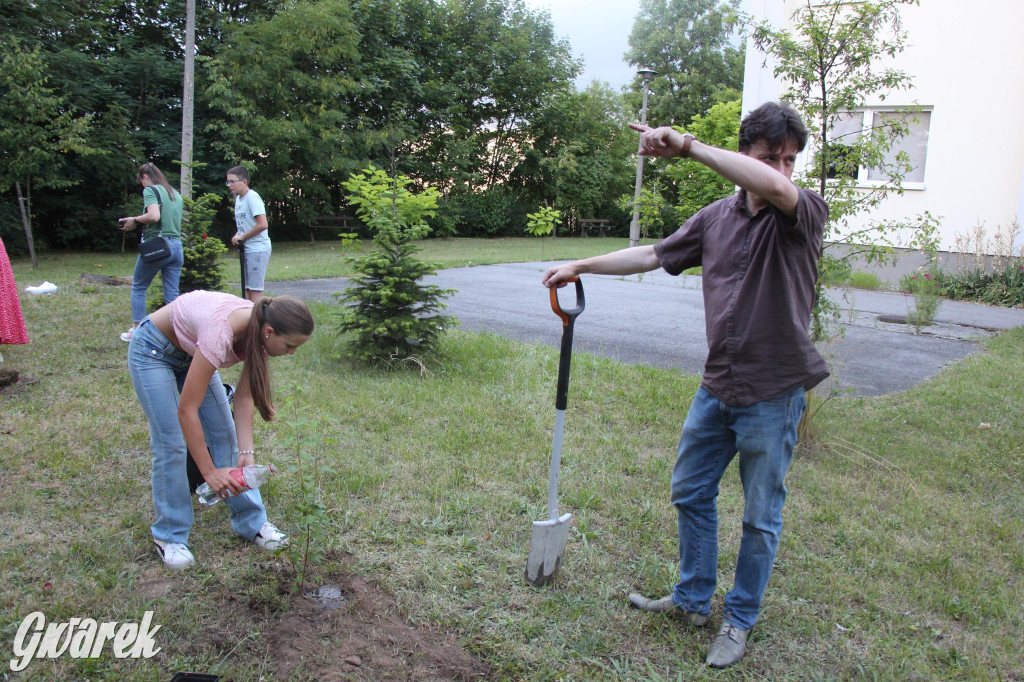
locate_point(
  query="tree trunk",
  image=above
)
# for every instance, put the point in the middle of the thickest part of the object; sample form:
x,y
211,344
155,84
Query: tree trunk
x,y
188,99
27,223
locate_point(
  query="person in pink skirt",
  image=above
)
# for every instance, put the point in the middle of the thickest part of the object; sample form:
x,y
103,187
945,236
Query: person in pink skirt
x,y
12,323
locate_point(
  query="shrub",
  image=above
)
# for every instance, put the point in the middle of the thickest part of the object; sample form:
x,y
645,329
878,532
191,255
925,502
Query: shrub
x,y
494,212
202,269
542,223
925,289
391,313
1001,287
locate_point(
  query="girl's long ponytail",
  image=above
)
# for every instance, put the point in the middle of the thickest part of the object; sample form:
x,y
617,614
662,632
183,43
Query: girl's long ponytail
x,y
286,315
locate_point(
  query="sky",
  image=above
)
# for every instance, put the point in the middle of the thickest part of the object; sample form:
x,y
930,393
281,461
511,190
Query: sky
x,y
598,31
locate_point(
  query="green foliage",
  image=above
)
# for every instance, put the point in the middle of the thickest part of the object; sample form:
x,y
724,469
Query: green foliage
x,y
833,272
692,46
202,268
581,156
448,89
1004,286
925,287
393,316
651,207
119,64
865,280
284,116
698,185
543,222
494,212
305,438
38,130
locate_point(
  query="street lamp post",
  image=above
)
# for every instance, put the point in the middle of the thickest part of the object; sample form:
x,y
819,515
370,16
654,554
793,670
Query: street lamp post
x,y
634,225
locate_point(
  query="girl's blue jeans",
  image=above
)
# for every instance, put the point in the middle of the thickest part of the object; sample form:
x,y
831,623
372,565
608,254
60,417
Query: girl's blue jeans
x,y
764,435
170,274
158,372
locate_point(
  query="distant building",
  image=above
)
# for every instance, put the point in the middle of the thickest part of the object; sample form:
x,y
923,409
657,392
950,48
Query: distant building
x,y
966,61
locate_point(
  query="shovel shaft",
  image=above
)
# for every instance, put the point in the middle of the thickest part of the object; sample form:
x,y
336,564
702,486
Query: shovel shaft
x,y
241,262
556,464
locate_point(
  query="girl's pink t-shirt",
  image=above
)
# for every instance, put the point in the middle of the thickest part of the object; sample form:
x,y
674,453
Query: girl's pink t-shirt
x,y
200,321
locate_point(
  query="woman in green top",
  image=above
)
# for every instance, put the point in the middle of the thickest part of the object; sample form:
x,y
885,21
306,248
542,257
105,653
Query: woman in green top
x,y
163,207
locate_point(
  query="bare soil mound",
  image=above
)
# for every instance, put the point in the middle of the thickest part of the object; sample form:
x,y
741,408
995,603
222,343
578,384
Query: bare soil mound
x,y
361,634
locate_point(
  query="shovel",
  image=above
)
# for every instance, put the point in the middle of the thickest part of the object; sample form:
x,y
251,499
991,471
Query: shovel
x,y
547,545
241,262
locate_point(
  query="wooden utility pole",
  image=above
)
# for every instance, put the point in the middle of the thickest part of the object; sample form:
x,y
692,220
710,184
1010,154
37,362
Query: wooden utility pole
x,y
188,99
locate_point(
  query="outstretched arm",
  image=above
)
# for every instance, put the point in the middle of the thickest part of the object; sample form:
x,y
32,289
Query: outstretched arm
x,y
623,262
755,175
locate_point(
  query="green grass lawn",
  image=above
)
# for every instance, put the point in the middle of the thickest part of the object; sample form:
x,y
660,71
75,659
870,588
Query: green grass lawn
x,y
902,555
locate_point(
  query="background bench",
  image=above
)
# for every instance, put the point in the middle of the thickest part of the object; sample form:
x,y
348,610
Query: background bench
x,y
339,223
593,224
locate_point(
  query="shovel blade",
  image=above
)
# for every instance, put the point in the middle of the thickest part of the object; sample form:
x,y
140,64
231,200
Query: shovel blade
x,y
547,546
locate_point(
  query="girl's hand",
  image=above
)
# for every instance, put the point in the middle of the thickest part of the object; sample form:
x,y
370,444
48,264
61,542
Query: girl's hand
x,y
126,224
246,458
220,482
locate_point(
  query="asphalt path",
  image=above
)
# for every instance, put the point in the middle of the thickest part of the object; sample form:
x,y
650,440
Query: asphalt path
x,y
658,320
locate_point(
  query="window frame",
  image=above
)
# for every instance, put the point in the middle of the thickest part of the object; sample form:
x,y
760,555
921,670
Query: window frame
x,y
867,114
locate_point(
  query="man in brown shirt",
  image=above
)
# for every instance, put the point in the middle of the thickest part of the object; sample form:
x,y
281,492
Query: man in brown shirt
x,y
758,250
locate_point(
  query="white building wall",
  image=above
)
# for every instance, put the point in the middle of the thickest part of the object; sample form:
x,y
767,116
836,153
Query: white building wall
x,y
966,62
759,83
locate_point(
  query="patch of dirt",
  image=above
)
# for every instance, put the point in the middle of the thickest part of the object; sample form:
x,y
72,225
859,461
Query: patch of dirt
x,y
20,385
88,278
366,638
156,588
8,377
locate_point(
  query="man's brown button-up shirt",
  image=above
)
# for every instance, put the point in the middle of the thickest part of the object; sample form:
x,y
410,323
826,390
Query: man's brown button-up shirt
x,y
758,277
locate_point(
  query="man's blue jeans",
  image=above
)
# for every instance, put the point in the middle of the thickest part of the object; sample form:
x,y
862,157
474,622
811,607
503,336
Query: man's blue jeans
x,y
158,372
764,435
170,274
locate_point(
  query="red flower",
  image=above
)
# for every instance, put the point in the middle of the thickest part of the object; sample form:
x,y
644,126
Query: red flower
x,y
927,276
204,235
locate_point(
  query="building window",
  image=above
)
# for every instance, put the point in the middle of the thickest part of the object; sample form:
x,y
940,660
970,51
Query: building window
x,y
851,126
842,138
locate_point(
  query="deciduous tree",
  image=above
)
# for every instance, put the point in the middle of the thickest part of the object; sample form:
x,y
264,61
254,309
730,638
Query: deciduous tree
x,y
693,46
38,130
838,57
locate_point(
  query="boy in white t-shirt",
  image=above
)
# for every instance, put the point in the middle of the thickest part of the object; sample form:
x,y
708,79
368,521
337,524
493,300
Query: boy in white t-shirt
x,y
251,222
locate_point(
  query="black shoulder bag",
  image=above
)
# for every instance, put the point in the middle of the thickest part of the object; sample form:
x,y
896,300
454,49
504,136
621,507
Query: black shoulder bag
x,y
155,248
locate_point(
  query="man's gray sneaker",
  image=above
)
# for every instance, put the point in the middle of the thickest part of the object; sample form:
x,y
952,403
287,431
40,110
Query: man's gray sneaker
x,y
666,605
728,646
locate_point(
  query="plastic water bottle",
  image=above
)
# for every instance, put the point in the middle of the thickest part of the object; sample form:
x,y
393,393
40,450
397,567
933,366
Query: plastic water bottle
x,y
252,476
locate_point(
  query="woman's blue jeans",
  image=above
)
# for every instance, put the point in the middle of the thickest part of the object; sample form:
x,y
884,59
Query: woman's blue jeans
x,y
170,274
158,372
764,435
